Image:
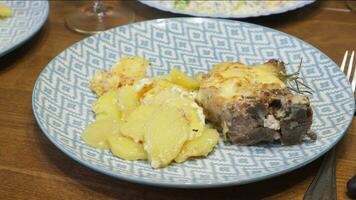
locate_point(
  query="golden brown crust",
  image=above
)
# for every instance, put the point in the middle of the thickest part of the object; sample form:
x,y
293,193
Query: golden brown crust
x,y
252,104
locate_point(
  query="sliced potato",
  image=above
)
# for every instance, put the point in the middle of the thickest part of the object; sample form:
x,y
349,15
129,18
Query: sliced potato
x,y
131,67
183,80
125,148
128,99
157,86
134,125
198,78
126,72
166,77
196,120
165,135
181,99
97,133
106,106
200,146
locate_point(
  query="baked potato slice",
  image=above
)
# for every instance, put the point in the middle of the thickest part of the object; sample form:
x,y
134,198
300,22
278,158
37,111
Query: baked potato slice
x,y
97,133
125,148
165,134
199,146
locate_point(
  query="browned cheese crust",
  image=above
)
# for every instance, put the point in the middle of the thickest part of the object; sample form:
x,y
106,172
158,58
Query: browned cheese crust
x,y
254,106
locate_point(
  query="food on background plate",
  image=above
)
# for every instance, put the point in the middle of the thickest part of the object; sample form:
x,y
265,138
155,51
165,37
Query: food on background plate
x,y
227,7
141,118
254,104
5,11
163,119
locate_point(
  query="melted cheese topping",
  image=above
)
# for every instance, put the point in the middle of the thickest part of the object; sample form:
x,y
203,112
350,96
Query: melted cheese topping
x,y
235,80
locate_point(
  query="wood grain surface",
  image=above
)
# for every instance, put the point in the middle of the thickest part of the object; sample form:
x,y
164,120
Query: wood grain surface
x,y
33,168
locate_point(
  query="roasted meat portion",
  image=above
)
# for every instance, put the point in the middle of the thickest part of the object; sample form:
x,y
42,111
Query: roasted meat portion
x,y
251,104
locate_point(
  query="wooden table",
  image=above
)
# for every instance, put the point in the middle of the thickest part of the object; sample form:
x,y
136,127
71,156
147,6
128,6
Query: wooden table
x,y
33,168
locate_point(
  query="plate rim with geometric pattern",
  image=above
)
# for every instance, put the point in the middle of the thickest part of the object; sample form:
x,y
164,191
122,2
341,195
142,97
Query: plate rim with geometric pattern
x,y
56,74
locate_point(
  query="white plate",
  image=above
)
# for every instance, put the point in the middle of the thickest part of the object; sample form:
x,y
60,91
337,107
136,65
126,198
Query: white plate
x,y
28,18
62,99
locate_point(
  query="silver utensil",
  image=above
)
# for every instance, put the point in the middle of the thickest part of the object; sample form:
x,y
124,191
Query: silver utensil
x,y
323,186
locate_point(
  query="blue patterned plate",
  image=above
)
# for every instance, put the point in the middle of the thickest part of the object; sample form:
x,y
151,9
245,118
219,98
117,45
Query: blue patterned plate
x,y
214,11
28,18
62,99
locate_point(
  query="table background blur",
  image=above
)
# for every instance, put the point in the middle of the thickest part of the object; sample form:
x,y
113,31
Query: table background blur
x,y
33,168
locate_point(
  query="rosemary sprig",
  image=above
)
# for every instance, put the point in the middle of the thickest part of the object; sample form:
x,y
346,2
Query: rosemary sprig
x,y
294,78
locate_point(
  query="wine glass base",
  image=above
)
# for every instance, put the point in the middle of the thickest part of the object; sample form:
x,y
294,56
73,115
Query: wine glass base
x,y
87,22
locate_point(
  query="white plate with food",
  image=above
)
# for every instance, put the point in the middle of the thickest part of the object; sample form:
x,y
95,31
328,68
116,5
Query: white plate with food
x,y
143,102
19,21
226,8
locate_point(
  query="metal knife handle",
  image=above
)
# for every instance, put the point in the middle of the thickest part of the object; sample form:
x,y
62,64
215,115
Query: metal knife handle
x,y
323,186
351,187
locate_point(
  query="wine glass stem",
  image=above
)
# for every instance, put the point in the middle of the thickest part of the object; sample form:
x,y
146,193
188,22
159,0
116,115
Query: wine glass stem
x,y
99,8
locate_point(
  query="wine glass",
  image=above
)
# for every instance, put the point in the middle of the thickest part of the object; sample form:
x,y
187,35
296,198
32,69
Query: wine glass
x,y
98,17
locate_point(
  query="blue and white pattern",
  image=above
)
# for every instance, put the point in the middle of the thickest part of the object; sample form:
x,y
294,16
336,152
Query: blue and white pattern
x,y
158,5
62,98
28,18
